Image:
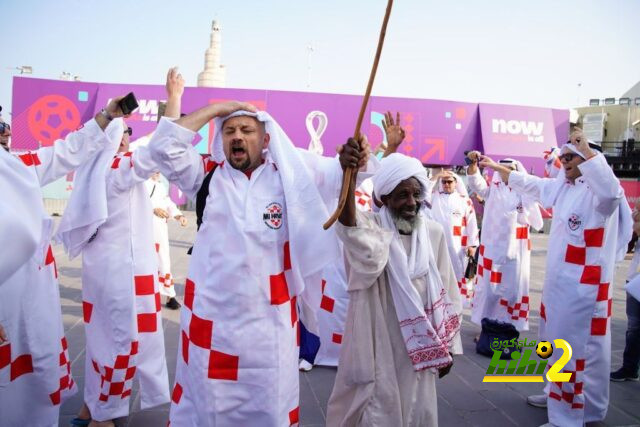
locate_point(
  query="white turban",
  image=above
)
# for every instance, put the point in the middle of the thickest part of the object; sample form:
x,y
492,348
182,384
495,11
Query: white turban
x,y
396,168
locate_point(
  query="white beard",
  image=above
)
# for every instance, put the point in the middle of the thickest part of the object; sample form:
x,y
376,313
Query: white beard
x,y
405,226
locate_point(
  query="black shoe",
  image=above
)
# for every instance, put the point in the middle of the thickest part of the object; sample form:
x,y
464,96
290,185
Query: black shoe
x,y
173,304
622,375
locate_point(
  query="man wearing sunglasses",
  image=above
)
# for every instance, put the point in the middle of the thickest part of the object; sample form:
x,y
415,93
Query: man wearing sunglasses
x,y
453,209
590,230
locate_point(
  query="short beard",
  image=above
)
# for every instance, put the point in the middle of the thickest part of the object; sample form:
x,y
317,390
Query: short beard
x,y
406,226
242,166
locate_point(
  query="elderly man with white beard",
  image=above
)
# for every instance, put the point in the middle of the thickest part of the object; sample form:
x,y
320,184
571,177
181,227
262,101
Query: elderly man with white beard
x,y
404,310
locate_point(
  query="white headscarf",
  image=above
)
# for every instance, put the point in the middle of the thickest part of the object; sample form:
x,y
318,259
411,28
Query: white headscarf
x,y
311,247
427,330
87,207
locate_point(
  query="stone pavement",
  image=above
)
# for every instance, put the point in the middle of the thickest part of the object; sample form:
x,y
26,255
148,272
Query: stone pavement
x,y
463,399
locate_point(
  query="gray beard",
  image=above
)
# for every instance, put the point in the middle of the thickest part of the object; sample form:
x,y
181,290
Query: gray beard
x,y
405,226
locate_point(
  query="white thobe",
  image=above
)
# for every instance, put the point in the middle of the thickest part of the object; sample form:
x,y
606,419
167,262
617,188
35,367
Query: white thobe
x,y
121,299
35,369
159,195
238,356
376,384
455,213
576,298
502,280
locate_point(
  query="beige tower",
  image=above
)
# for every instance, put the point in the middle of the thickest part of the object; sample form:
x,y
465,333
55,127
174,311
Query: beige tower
x,y
214,73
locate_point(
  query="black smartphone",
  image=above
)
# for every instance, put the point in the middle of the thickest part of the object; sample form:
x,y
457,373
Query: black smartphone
x,y
128,103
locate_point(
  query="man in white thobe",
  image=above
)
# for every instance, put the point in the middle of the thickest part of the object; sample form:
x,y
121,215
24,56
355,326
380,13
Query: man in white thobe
x,y
452,208
258,244
35,368
502,281
590,229
404,310
163,209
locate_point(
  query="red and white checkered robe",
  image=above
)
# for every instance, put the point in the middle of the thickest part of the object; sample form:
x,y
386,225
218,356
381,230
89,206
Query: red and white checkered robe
x,y
35,368
576,298
335,298
159,194
120,297
502,280
239,331
456,215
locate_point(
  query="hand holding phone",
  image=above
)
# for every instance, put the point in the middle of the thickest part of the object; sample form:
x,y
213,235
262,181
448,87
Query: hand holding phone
x,y
128,104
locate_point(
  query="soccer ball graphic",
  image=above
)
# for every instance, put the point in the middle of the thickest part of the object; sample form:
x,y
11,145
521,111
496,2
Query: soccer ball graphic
x,y
544,349
52,117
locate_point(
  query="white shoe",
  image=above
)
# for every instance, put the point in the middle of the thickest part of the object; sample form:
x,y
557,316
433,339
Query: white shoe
x,y
305,366
538,400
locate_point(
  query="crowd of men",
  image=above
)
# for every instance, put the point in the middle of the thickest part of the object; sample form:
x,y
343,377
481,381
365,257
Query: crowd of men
x,y
383,289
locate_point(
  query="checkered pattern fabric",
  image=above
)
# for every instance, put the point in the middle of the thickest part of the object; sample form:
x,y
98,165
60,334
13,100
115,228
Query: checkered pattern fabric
x,y
30,159
148,302
166,280
570,392
116,380
50,260
485,266
587,256
118,157
14,367
66,380
363,200
519,310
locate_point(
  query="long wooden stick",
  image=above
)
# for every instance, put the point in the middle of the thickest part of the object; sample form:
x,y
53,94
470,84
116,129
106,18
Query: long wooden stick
x,y
348,174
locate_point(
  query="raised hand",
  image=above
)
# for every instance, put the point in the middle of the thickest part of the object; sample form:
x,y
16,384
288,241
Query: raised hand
x,y
175,83
354,153
225,108
579,141
394,132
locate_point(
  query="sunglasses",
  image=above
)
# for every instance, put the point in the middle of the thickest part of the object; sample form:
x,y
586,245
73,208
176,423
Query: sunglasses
x,y
4,127
448,181
567,157
129,131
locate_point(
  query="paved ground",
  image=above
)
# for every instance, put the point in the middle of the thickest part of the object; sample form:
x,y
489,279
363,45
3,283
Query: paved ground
x,y
463,399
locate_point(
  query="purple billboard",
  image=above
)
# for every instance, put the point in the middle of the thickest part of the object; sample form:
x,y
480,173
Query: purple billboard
x,y
437,132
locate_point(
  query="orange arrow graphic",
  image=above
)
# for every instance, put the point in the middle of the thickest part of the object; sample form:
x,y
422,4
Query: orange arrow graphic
x,y
437,147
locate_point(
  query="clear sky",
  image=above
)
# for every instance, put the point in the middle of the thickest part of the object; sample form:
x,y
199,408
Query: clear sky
x,y
502,51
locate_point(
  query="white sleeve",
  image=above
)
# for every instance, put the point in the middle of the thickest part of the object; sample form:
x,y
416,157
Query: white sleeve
x,y
176,158
326,174
471,229
604,184
131,169
528,185
66,155
478,185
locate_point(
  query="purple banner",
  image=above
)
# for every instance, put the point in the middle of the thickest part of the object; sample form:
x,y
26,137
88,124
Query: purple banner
x,y
437,132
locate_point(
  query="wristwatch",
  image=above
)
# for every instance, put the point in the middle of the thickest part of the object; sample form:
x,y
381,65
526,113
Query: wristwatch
x,y
105,114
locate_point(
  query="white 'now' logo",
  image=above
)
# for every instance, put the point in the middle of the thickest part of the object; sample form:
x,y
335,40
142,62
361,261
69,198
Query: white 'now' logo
x,y
532,130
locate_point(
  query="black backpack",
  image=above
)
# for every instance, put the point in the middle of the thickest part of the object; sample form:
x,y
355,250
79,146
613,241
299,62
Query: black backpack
x,y
201,199
500,331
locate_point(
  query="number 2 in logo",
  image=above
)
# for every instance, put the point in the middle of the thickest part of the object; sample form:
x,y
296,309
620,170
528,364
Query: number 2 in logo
x,y
554,375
